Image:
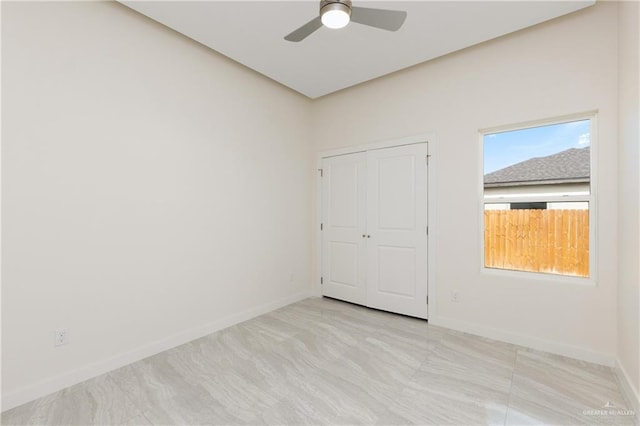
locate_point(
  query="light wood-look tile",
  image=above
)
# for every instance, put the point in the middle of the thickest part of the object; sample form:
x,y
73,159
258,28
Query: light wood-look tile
x,y
98,401
549,388
326,362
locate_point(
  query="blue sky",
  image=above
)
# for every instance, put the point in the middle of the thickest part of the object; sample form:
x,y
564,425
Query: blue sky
x,y
507,148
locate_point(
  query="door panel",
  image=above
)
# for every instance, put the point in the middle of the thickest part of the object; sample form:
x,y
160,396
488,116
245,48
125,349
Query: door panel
x,y
344,215
344,263
396,222
343,205
396,193
396,271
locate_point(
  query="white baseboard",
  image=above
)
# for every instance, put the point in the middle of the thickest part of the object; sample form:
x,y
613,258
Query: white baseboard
x,y
527,341
631,394
45,387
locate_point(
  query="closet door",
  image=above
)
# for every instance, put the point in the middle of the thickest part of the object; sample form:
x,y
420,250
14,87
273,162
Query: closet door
x,y
397,226
344,215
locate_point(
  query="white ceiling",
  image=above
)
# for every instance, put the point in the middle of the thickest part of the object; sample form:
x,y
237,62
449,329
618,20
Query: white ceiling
x,y
251,32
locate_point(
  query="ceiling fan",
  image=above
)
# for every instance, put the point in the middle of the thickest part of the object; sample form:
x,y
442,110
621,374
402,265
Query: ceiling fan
x,y
338,13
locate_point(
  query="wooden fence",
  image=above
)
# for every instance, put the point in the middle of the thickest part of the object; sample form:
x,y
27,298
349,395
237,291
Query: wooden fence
x,y
554,241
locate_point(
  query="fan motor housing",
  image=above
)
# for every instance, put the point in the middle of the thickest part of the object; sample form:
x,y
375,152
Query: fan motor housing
x,y
343,5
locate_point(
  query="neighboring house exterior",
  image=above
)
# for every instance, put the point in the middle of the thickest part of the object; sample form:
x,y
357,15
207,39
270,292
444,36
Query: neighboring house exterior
x,y
566,172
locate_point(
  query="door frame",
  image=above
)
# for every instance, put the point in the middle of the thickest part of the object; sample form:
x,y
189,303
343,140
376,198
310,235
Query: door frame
x,y
427,138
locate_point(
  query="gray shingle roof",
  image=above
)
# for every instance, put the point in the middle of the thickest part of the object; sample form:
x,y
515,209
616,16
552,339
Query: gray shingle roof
x,y
571,165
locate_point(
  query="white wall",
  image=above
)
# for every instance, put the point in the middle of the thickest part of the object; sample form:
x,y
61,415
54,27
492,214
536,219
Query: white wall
x,y
628,197
565,66
153,191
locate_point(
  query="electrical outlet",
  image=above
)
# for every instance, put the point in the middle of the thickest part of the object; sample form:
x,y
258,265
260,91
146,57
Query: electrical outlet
x,y
60,337
455,296
291,277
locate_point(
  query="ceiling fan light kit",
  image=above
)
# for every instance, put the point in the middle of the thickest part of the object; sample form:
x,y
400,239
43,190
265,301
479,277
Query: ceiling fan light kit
x,y
338,13
335,14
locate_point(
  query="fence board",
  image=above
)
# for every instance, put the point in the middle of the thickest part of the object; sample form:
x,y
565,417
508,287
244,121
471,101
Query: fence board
x,y
555,241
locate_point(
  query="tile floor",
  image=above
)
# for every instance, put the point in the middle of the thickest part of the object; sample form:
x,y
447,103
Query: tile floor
x,y
322,361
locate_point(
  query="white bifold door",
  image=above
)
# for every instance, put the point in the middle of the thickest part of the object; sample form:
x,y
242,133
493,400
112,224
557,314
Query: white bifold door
x,y
374,229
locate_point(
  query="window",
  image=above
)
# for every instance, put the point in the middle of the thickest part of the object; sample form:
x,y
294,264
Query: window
x,y
537,197
528,206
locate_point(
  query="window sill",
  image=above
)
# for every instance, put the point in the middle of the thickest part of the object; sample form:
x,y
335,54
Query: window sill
x,y
540,276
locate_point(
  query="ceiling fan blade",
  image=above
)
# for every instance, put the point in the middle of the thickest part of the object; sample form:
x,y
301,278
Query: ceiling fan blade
x,y
305,30
390,20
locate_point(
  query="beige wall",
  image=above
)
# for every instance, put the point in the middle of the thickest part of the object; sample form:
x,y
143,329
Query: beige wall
x,y
567,188
628,313
565,66
152,190
495,194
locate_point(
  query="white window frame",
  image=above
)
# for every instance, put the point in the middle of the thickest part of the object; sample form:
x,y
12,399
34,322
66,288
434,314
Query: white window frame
x,y
590,198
